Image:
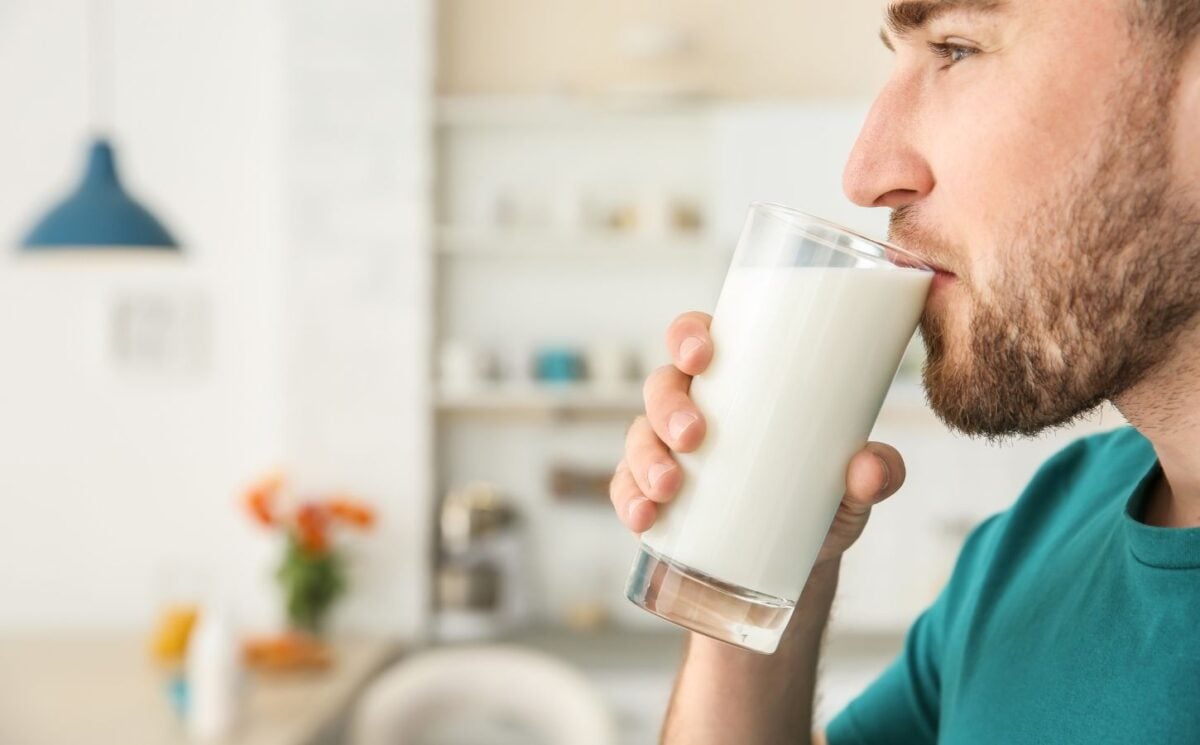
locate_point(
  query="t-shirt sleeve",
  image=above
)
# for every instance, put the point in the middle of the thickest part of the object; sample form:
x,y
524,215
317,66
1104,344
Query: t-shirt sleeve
x,y
901,707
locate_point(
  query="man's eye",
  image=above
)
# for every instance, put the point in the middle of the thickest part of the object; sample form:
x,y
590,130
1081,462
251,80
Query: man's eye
x,y
952,53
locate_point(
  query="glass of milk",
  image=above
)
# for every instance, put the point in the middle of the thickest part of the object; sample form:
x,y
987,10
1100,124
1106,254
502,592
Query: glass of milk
x,y
808,332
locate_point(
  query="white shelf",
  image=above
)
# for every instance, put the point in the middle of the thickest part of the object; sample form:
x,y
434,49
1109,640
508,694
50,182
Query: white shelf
x,y
543,400
562,110
905,397
502,243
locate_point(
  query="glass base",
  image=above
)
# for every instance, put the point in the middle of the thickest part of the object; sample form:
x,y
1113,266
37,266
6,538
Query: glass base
x,y
708,606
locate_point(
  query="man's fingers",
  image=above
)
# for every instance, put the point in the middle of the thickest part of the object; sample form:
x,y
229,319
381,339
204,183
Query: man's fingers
x,y
688,342
875,473
633,509
675,419
657,474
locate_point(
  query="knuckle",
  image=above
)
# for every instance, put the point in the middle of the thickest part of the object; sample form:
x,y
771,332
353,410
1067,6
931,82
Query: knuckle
x,y
640,455
655,382
633,426
618,484
623,490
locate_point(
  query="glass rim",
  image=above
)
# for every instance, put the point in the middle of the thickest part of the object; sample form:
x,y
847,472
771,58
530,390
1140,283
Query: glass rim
x,y
891,254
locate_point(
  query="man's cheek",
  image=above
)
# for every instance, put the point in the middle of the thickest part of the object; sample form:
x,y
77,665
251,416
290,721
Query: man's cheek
x,y
977,179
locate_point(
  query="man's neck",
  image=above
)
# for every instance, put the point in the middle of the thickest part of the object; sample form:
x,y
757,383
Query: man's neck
x,y
1165,408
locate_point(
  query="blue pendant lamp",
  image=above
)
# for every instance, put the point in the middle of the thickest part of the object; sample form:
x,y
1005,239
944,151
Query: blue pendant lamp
x,y
99,214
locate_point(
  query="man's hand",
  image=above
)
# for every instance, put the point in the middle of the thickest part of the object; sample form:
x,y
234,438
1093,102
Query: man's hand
x,y
648,476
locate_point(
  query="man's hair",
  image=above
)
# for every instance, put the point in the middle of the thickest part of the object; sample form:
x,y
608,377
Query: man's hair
x,y
1176,21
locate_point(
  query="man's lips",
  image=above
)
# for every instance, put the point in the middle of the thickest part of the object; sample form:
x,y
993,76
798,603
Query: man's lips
x,y
939,268
918,260
941,280
934,265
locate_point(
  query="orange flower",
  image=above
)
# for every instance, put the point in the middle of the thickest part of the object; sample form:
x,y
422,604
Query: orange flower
x,y
260,498
352,512
312,522
259,504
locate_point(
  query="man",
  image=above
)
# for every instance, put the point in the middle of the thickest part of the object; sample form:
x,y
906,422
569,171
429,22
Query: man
x,y
1046,153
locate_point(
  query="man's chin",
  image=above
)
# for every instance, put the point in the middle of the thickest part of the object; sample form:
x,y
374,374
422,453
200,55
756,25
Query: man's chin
x,y
977,403
966,400
968,412
964,397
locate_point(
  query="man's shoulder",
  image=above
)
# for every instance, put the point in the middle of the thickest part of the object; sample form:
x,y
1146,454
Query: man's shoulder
x,y
1118,439
1088,479
1077,493
1085,468
1097,461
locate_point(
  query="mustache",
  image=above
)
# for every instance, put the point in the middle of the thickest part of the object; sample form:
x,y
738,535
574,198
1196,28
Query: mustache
x,y
905,230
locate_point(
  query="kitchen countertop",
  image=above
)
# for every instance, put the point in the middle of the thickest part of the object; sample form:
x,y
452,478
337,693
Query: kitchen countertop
x,y
105,690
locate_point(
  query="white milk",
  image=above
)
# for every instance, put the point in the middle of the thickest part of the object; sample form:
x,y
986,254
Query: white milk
x,y
803,359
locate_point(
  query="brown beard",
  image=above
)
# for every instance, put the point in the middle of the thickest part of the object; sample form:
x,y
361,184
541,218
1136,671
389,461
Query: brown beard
x,y
1092,293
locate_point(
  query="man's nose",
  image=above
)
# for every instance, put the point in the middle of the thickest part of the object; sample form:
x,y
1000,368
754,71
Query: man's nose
x,y
886,168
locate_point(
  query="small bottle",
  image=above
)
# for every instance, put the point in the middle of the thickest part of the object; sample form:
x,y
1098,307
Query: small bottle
x,y
214,677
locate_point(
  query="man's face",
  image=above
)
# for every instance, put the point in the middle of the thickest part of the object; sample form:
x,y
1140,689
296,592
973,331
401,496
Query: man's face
x,y
1034,150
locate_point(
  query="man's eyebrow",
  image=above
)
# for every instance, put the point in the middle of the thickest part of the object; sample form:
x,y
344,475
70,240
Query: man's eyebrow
x,y
906,16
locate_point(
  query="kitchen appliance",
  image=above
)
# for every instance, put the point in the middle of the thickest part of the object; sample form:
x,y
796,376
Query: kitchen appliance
x,y
480,577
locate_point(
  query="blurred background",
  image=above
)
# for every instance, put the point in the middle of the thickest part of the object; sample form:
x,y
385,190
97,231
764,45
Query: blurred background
x,y
287,455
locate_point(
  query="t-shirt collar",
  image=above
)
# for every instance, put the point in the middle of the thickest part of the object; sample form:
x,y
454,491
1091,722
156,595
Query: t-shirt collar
x,y
1164,548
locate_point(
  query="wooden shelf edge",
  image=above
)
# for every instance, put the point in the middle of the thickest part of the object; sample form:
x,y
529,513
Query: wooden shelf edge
x,y
502,243
579,399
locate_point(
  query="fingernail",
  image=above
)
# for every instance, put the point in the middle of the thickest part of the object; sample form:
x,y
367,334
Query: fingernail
x,y
656,471
689,345
887,476
678,424
632,508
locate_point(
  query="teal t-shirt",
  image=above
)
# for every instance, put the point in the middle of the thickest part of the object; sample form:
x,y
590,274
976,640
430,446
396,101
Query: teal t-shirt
x,y
1066,620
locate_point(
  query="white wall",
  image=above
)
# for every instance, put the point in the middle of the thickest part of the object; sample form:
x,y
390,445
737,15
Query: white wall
x,y
105,476
358,279
763,48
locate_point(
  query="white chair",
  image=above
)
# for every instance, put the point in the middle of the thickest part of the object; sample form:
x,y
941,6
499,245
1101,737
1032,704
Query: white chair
x,y
482,695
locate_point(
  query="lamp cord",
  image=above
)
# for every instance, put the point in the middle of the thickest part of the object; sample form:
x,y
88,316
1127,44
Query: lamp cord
x,y
100,61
